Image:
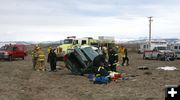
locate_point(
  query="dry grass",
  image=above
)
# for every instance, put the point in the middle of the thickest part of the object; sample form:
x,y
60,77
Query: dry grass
x,y
19,82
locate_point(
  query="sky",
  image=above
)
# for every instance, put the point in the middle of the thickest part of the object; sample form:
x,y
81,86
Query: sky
x,y
53,20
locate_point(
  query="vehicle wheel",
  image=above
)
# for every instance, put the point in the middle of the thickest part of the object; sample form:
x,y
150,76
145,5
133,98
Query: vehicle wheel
x,y
22,58
10,58
67,67
139,52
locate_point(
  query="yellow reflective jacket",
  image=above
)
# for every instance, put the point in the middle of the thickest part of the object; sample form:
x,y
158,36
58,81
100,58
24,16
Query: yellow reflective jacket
x,y
122,52
41,56
49,49
34,54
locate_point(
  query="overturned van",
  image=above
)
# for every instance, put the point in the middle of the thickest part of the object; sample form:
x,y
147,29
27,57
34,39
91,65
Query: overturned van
x,y
80,60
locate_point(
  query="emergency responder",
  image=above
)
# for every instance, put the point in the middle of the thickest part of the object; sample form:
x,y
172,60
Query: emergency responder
x,y
124,54
102,75
52,58
113,59
105,53
121,52
49,49
40,60
34,57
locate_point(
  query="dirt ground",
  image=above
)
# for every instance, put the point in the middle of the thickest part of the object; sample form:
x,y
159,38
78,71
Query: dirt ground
x,y
18,81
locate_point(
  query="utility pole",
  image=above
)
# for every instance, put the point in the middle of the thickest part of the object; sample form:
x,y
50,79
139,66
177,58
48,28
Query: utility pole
x,y
150,20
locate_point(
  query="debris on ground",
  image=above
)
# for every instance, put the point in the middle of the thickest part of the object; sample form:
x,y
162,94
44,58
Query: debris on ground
x,y
168,68
134,80
143,68
123,78
131,75
148,73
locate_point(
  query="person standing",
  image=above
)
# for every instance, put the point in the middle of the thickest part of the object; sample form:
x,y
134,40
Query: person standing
x,y
40,60
49,49
34,57
52,58
121,53
105,53
113,59
125,57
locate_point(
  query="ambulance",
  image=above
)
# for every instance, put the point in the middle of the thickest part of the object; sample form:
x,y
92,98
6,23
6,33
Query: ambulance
x,y
158,50
176,48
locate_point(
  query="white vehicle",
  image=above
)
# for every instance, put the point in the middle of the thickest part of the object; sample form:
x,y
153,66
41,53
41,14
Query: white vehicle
x,y
176,48
159,53
157,43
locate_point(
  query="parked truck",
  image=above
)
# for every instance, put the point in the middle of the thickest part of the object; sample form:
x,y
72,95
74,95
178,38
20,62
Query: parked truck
x,y
68,43
71,42
159,53
154,43
176,48
11,51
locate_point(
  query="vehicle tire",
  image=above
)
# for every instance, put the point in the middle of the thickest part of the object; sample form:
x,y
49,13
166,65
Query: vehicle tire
x,y
22,58
139,52
158,57
67,67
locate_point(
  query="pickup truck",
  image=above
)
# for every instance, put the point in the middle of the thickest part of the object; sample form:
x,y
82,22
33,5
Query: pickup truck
x,y
159,53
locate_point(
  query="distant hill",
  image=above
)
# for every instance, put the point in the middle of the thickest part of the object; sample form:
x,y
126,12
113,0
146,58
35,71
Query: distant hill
x,y
168,40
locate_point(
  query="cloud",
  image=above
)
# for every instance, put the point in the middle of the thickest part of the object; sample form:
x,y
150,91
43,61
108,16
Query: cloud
x,y
56,19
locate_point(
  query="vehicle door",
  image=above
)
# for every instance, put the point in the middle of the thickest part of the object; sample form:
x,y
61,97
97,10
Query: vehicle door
x,y
20,51
15,52
155,53
148,54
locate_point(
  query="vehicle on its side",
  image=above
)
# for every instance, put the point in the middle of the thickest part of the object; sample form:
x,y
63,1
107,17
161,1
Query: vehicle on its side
x,y
80,60
159,53
12,51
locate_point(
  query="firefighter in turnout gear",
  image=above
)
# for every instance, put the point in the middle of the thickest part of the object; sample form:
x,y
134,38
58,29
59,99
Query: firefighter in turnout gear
x,y
40,60
113,59
122,52
34,57
124,55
